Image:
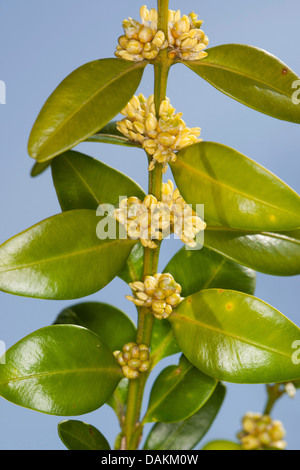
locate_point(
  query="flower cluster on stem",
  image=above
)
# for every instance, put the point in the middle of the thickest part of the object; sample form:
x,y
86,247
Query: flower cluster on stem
x,y
260,432
160,137
134,358
159,292
151,220
142,40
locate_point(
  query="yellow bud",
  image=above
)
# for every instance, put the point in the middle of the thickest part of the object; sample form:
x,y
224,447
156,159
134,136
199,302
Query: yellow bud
x,y
145,34
166,139
134,46
144,14
130,373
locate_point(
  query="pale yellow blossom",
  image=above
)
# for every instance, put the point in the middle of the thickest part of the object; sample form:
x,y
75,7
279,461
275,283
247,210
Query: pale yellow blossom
x,y
151,220
159,292
260,432
161,138
142,40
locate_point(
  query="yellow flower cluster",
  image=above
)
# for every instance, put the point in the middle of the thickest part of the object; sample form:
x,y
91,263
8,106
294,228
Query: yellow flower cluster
x,y
186,39
143,40
185,222
160,138
134,358
150,220
160,292
261,433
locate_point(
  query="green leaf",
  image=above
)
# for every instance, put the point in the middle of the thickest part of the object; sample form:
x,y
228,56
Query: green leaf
x,y
270,253
109,323
83,104
236,191
64,370
251,76
82,182
163,342
133,269
178,392
235,337
185,435
62,257
222,445
77,435
39,168
118,400
110,135
196,270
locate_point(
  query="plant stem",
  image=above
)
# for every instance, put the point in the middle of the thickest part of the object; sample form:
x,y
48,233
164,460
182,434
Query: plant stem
x,y
274,393
133,429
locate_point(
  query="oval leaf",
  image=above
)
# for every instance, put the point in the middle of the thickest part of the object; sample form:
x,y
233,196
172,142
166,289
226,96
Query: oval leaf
x,y
77,435
178,392
82,104
185,435
222,445
118,400
133,269
109,323
60,369
252,76
109,134
163,342
39,168
196,270
236,191
270,253
236,337
82,182
62,257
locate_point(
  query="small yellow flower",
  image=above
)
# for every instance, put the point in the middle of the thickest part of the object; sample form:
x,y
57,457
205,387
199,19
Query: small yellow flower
x,y
260,432
142,40
185,221
151,220
186,39
159,292
161,138
134,358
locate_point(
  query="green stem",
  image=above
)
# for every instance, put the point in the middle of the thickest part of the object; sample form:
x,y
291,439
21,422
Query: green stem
x,y
274,393
132,428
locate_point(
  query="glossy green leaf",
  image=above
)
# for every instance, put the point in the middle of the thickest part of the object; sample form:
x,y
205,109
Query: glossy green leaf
x,y
222,445
133,269
252,76
82,104
270,253
82,182
196,270
77,435
163,342
108,322
39,168
235,337
64,370
118,400
236,191
178,392
62,257
185,435
110,135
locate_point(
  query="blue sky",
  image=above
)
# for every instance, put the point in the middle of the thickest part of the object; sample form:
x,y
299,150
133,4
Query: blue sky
x,y
40,44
